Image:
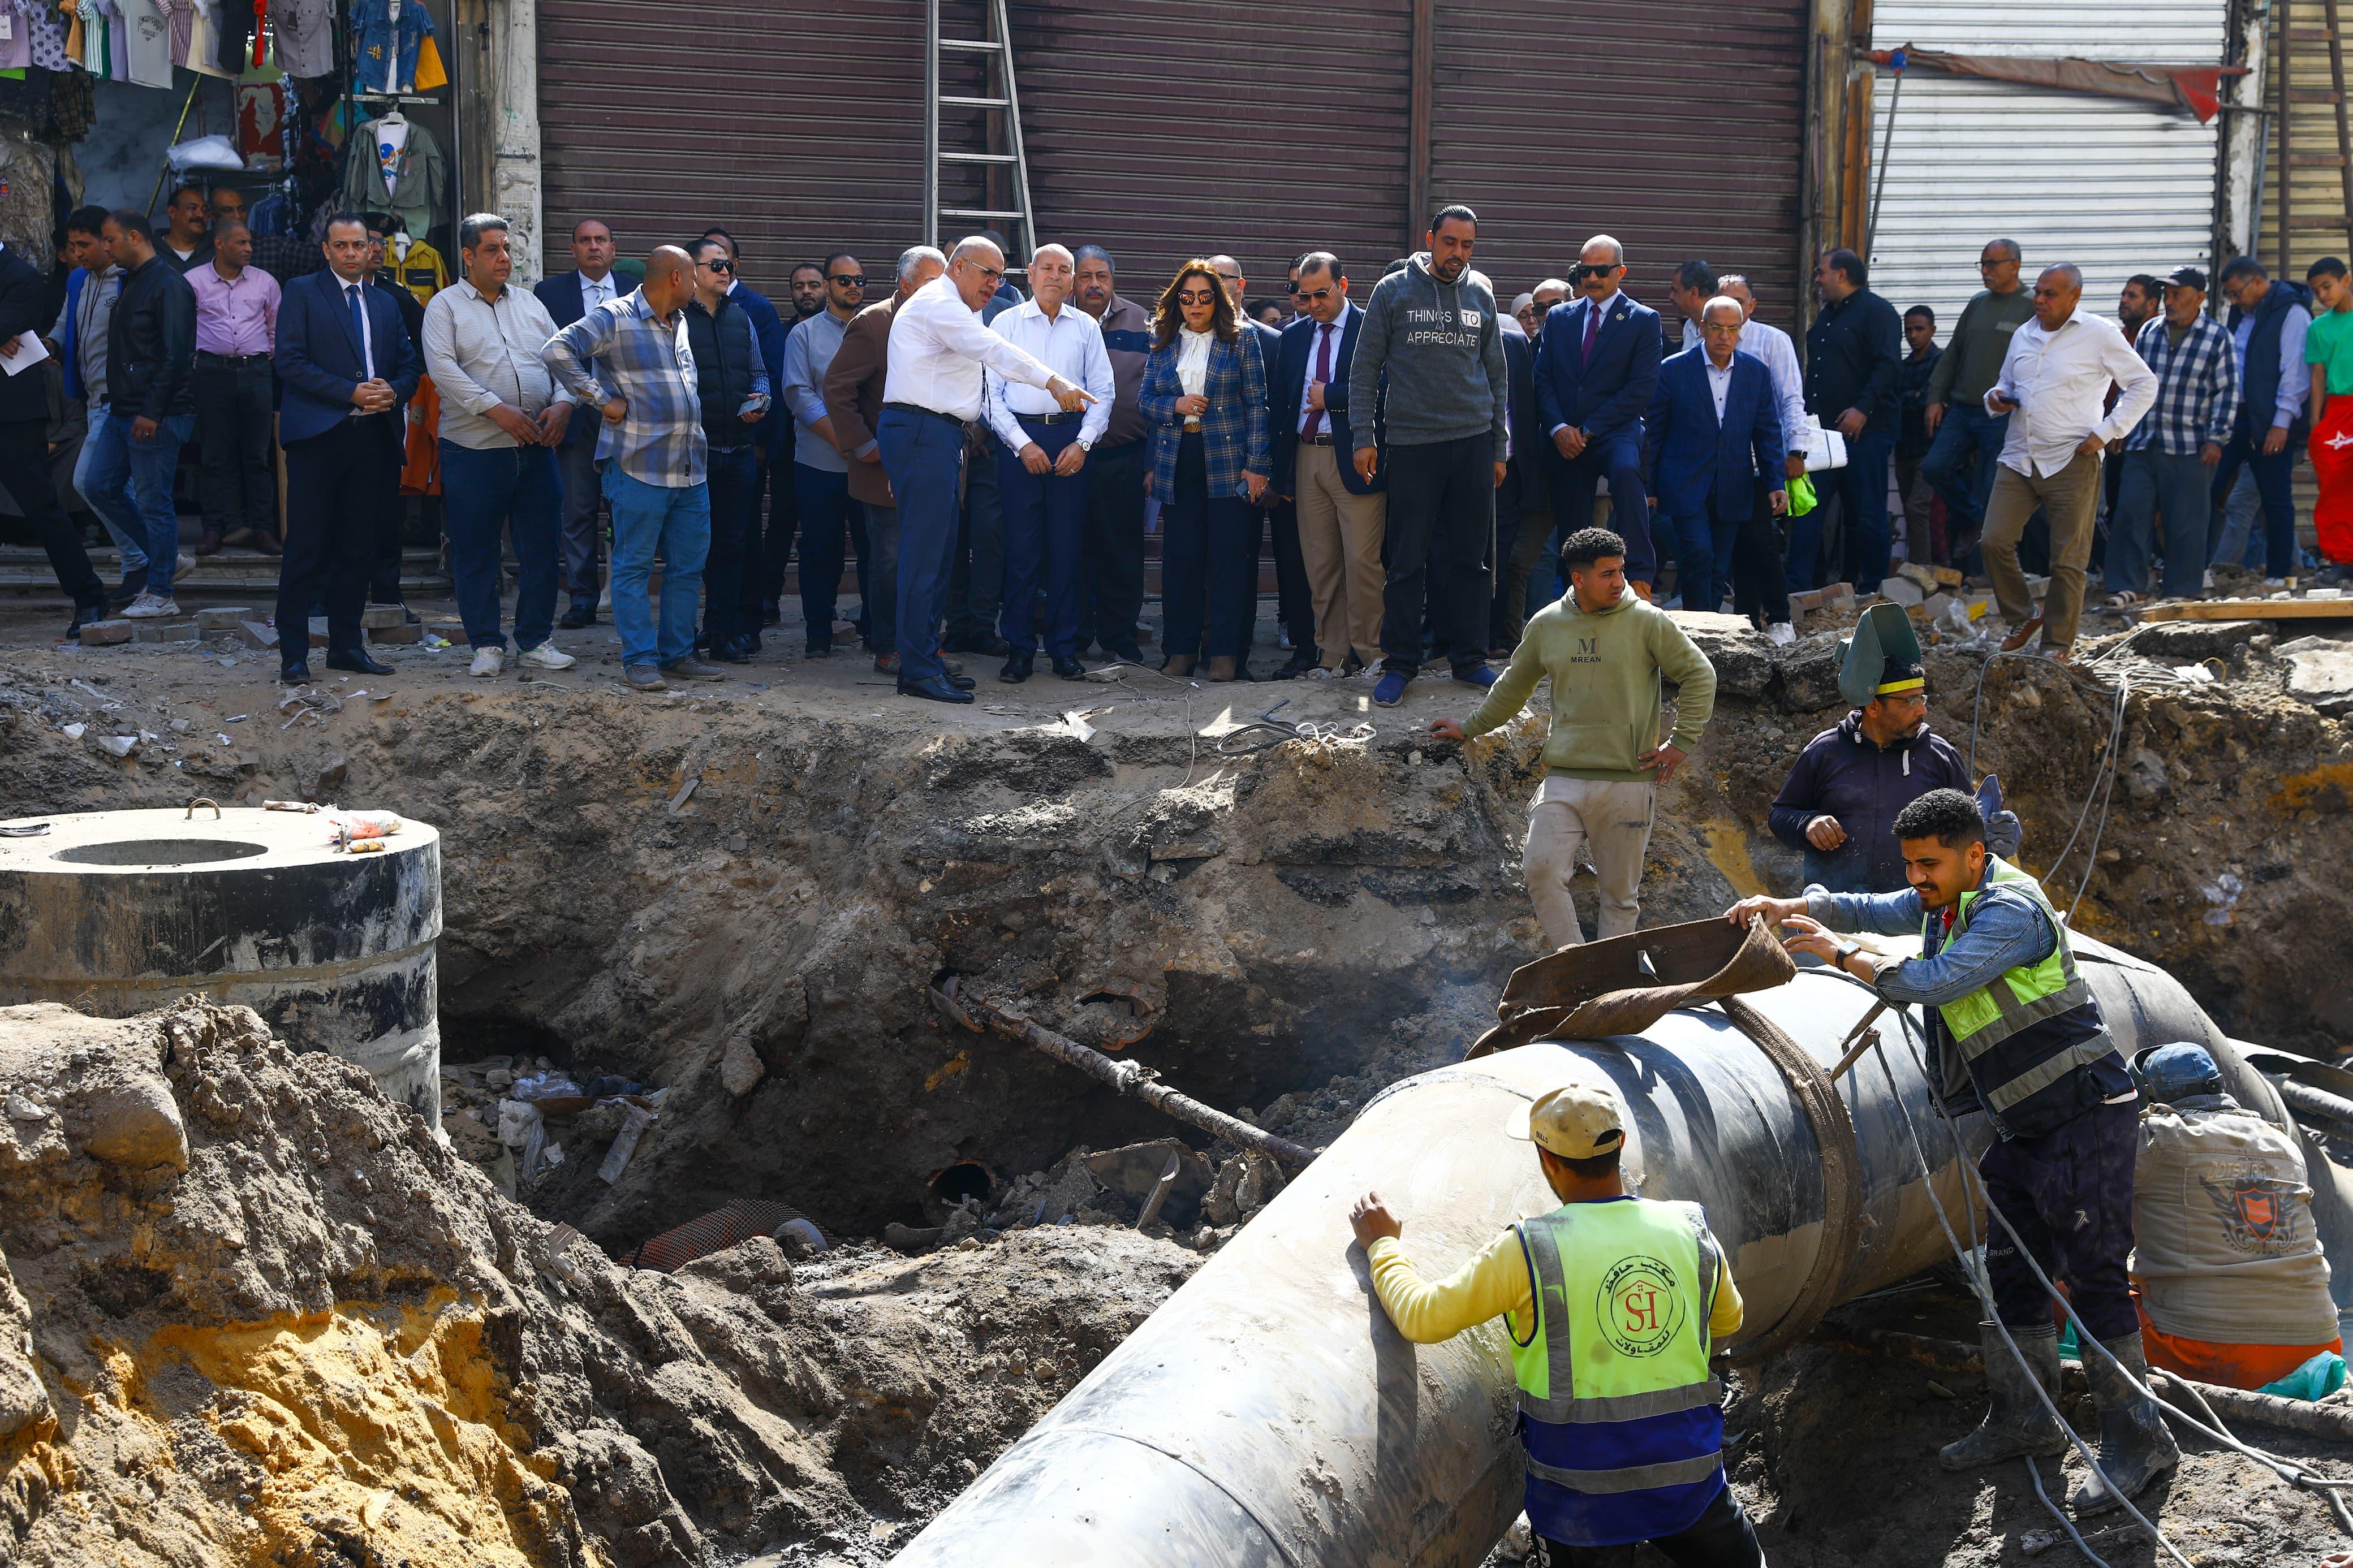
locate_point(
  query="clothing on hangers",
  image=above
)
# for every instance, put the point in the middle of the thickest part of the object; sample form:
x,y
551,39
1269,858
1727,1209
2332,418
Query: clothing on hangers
x,y
387,45
304,32
410,186
420,270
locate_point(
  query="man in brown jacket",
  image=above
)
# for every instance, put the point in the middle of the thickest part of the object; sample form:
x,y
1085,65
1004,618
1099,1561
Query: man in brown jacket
x,y
853,401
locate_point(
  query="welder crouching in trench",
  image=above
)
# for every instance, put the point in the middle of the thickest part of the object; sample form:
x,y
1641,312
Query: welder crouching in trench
x,y
2014,1032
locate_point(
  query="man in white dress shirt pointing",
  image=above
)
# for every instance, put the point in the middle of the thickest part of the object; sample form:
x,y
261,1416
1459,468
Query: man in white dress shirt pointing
x,y
939,346
2055,379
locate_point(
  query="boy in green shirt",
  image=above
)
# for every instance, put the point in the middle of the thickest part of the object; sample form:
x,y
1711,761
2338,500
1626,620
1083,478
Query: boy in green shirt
x,y
1605,650
2328,350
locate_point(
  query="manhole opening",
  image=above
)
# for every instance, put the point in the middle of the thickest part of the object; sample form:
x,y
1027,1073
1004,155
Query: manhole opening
x,y
160,852
965,1179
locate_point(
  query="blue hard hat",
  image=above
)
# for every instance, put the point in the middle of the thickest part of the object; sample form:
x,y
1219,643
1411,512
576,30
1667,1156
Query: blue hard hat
x,y
2169,1072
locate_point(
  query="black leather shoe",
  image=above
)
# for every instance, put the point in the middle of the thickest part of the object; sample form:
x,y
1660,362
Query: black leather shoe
x,y
749,642
1128,655
577,616
355,661
1068,667
933,691
729,650
296,673
960,681
1300,663
83,616
1016,669
771,612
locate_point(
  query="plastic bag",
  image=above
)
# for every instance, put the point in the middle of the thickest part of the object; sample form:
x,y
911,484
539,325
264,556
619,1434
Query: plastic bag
x,y
205,152
522,1130
2317,1379
342,824
1801,496
544,1086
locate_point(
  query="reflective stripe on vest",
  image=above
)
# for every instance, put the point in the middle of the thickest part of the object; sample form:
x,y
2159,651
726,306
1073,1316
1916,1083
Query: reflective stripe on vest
x,y
2019,997
1642,1264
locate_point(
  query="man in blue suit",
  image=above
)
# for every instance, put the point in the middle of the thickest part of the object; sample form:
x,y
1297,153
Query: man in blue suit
x,y
1714,428
1342,514
1597,366
348,368
569,296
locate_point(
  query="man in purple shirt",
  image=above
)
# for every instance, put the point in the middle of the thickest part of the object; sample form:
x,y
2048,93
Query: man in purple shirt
x,y
237,332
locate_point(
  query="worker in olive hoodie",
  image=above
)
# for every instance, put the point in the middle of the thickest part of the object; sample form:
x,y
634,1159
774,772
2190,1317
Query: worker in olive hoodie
x,y
1605,650
1432,336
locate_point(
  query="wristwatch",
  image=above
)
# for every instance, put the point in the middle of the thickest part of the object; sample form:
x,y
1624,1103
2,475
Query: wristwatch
x,y
1847,949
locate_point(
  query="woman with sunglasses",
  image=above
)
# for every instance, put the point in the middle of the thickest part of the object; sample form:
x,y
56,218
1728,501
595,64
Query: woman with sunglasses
x,y
1204,398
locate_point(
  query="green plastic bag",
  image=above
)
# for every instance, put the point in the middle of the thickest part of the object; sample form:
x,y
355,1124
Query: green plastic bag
x,y
2317,1379
1801,494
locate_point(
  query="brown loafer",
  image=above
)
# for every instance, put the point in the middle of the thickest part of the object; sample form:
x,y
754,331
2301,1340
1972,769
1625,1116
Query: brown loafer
x,y
209,544
268,544
1222,667
1177,664
2022,635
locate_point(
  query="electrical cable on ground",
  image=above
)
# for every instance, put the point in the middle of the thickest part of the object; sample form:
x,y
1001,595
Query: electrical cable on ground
x,y
2034,1473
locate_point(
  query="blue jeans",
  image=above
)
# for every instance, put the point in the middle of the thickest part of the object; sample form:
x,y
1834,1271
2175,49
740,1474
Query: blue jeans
x,y
130,543
734,483
823,497
1045,531
2275,481
923,455
2177,486
484,492
1960,464
129,483
677,520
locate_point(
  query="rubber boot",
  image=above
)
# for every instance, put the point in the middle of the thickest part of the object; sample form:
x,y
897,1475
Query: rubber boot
x,y
2135,1446
2016,1422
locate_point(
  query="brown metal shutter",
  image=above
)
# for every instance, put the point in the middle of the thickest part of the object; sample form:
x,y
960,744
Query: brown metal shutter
x,y
1165,132
1683,138
800,130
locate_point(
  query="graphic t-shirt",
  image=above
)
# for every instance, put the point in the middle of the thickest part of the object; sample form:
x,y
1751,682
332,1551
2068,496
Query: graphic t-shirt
x,y
148,48
390,140
2330,343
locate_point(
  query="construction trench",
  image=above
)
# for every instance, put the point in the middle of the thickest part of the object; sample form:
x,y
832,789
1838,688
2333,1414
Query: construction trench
x,y
255,1312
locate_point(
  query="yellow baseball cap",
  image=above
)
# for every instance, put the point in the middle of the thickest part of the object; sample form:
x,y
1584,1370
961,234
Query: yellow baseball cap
x,y
1577,1122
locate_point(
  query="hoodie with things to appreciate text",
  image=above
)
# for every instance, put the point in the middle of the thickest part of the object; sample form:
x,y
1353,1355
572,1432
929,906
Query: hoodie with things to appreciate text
x,y
1442,349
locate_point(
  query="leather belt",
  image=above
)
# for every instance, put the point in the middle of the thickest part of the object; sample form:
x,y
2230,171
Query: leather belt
x,y
1050,419
1324,440
926,413
207,354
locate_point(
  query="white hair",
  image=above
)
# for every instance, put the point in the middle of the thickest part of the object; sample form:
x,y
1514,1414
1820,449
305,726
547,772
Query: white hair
x,y
1062,250
913,258
1729,303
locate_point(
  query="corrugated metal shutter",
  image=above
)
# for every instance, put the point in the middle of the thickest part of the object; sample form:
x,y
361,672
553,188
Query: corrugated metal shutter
x,y
2317,202
1164,132
1681,133
801,130
2115,187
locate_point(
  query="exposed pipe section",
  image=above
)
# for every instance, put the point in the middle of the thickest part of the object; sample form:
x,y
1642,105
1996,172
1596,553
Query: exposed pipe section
x,y
1268,1416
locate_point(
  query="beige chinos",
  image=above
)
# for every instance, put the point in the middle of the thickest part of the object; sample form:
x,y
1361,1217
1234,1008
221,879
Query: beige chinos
x,y
1612,820
1340,540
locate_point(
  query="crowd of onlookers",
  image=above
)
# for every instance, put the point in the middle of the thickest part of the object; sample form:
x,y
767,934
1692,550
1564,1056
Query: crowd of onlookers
x,y
1409,454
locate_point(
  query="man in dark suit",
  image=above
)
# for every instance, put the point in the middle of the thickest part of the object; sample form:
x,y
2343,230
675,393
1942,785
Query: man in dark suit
x,y
1597,366
1295,605
26,306
1524,506
348,367
1714,430
770,438
1342,515
569,296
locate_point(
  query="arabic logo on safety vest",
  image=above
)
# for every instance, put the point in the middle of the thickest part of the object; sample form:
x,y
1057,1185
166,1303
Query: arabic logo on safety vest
x,y
2258,1214
1640,1306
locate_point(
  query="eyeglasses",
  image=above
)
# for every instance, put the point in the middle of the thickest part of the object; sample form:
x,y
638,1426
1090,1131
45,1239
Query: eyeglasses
x,y
986,272
1985,262
721,265
1733,331
1580,272
1311,295
848,279
1197,296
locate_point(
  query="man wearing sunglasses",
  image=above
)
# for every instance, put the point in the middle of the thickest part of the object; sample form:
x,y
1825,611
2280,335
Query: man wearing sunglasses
x,y
1965,440
1597,366
820,473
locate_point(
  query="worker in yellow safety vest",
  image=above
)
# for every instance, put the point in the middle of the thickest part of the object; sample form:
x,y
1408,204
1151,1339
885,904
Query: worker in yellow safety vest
x,y
1613,1303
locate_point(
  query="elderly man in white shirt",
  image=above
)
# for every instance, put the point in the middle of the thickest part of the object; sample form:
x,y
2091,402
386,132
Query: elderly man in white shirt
x,y
939,347
2055,380
1041,453
503,416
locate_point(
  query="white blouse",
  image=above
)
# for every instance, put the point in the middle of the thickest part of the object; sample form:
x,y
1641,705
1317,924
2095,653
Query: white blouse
x,y
1193,366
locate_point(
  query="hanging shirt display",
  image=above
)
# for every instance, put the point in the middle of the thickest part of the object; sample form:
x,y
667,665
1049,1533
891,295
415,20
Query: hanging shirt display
x,y
48,41
390,32
15,36
204,38
305,35
420,269
147,48
391,142
418,176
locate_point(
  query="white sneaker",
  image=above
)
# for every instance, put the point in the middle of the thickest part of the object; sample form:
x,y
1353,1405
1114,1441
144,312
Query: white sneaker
x,y
147,606
187,564
2209,583
2274,582
546,656
488,661
1781,634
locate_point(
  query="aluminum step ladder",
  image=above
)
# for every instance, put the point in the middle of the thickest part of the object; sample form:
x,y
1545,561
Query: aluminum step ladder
x,y
990,160
2291,223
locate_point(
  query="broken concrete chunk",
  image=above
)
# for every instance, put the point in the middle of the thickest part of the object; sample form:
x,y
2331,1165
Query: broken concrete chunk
x,y
381,617
135,1123
105,634
164,631
2320,672
257,635
739,1067
1901,591
399,634
223,619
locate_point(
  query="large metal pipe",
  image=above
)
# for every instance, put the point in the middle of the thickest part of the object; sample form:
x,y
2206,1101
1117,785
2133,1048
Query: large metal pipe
x,y
1268,1416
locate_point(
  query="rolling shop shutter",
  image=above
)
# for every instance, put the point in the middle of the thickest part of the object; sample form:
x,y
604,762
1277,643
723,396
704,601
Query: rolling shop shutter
x,y
2115,187
1165,132
1680,132
799,129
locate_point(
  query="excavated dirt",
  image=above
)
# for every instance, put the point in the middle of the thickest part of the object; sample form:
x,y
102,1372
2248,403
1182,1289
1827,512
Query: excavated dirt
x,y
737,896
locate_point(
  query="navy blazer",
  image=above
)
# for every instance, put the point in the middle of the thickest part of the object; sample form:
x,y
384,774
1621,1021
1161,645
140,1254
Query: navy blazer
x,y
561,295
1294,362
1686,453
1608,397
1527,485
319,361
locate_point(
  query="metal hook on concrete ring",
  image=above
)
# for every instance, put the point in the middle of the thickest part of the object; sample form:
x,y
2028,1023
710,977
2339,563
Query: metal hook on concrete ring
x,y
201,800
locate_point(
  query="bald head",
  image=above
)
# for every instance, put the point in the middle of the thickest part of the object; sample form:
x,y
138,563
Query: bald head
x,y
2056,294
975,266
1600,268
670,279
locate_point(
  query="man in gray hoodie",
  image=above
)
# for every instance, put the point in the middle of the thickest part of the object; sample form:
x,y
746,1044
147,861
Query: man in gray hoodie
x,y
1430,331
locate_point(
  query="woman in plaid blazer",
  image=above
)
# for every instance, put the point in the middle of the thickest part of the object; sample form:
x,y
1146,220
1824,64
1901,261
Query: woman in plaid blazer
x,y
1204,398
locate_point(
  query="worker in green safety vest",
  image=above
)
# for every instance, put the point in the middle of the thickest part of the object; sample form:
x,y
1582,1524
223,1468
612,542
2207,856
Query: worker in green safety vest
x,y
2014,1032
1613,1303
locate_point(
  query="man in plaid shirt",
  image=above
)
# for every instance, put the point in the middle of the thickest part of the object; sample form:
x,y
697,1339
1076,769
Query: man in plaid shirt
x,y
629,359
2169,458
